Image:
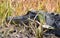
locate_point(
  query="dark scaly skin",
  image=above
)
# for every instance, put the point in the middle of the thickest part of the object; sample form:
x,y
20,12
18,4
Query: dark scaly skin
x,y
52,19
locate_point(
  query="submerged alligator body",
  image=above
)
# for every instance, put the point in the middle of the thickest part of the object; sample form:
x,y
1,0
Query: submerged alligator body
x,y
52,19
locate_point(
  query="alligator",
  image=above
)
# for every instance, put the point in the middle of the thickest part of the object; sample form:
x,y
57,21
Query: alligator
x,y
51,19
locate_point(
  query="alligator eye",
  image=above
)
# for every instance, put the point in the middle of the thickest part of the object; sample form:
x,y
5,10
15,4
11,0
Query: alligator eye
x,y
52,13
57,15
28,12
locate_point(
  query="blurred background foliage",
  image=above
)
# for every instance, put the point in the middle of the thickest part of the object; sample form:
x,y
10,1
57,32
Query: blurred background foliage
x,y
22,6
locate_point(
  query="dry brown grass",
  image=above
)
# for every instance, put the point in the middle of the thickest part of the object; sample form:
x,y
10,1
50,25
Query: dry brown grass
x,y
22,6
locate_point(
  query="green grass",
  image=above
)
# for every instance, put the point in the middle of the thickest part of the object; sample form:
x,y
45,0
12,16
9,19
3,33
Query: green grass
x,y
5,10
